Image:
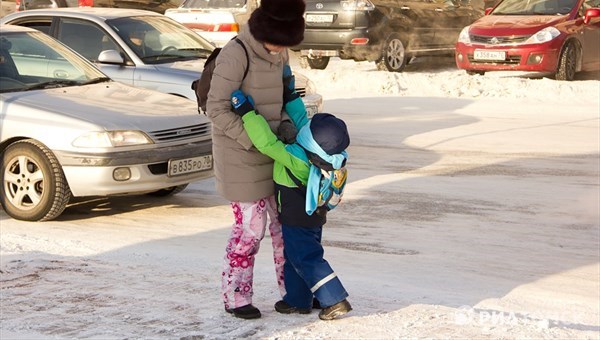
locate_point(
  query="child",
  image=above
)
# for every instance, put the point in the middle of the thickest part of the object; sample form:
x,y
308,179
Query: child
x,y
321,140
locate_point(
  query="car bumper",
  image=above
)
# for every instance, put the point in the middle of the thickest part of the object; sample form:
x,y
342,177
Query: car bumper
x,y
533,58
344,43
313,104
92,174
217,38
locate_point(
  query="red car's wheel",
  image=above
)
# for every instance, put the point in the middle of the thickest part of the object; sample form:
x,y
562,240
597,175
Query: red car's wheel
x,y
472,73
567,64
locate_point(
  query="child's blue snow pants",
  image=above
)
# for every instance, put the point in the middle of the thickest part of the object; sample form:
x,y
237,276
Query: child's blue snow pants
x,y
306,272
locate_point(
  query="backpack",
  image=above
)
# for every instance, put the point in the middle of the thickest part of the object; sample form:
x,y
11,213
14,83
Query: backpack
x,y
201,86
331,186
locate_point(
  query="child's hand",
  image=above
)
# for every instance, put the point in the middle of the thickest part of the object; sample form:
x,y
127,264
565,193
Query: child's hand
x,y
241,103
286,132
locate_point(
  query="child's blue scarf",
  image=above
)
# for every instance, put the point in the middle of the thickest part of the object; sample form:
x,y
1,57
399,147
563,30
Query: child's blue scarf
x,y
306,140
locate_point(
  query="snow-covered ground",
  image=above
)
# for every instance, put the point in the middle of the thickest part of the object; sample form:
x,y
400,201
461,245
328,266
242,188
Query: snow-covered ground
x,y
472,212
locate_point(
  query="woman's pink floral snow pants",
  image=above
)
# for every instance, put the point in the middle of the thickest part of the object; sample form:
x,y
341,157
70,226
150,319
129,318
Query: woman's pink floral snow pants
x,y
244,242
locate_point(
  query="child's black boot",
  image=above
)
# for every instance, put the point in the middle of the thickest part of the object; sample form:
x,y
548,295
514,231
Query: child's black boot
x,y
284,308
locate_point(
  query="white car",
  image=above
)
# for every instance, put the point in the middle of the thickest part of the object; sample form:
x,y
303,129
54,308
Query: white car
x,y
216,20
169,56
67,130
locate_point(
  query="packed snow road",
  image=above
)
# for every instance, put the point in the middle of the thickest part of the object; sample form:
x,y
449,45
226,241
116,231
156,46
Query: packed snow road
x,y
472,211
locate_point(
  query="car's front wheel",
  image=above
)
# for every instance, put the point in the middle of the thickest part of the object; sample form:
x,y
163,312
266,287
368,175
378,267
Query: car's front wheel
x,y
394,57
317,63
34,187
567,64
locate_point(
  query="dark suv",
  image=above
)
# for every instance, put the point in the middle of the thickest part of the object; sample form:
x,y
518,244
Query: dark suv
x,y
388,32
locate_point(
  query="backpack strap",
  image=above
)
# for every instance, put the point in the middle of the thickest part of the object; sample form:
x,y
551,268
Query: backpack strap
x,y
296,181
247,57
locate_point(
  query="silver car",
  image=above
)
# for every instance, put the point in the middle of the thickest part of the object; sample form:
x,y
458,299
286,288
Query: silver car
x,y
67,130
137,47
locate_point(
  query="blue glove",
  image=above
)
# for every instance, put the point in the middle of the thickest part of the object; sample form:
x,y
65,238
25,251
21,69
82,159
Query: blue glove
x,y
289,85
241,103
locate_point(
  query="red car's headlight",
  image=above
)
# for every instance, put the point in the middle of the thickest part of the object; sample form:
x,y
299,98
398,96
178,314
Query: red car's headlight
x,y
543,36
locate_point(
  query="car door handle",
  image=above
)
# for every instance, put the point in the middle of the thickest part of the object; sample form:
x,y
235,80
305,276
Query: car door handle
x,y
60,74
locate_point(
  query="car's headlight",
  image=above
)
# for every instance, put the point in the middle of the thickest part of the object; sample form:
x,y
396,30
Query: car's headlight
x,y
106,139
463,37
311,88
544,35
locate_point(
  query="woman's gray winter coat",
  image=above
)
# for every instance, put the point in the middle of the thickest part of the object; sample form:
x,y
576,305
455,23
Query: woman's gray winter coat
x,y
242,173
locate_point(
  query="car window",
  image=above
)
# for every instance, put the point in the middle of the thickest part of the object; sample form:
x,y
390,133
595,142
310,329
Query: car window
x,y
40,25
591,4
534,7
34,58
84,37
35,4
159,39
587,5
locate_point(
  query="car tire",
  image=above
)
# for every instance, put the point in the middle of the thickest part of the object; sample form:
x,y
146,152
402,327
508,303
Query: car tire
x,y
317,63
567,64
393,56
34,187
170,191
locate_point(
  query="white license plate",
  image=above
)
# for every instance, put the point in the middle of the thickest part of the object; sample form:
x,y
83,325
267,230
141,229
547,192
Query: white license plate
x,y
319,18
185,166
311,110
489,55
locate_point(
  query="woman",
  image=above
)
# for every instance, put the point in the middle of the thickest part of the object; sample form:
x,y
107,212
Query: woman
x,y
243,175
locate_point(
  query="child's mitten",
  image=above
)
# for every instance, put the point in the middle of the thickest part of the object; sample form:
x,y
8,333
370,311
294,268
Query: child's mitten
x,y
241,103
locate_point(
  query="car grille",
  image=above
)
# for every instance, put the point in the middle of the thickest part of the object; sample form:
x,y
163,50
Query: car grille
x,y
301,91
510,40
170,135
159,168
510,60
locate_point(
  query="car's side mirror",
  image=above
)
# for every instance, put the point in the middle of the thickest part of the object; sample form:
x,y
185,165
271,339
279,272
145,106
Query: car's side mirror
x,y
111,57
591,13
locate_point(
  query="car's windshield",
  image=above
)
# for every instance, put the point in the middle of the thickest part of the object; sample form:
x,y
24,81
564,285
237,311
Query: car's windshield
x,y
33,60
158,39
534,7
219,4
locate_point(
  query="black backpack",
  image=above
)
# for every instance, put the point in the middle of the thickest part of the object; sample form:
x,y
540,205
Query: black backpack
x,y
202,86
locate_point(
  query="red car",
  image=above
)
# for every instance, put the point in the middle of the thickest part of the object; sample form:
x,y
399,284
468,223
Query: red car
x,y
557,37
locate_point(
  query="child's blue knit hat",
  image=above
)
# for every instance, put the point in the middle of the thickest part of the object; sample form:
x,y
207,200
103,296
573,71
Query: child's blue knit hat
x,y
330,133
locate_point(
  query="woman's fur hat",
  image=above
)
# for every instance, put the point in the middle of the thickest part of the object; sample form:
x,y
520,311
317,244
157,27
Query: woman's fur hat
x,y
278,22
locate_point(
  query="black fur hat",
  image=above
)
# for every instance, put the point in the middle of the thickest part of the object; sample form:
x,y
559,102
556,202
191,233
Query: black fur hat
x,y
278,22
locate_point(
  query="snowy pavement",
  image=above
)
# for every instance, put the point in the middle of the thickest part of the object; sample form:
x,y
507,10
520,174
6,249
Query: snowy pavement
x,y
472,211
